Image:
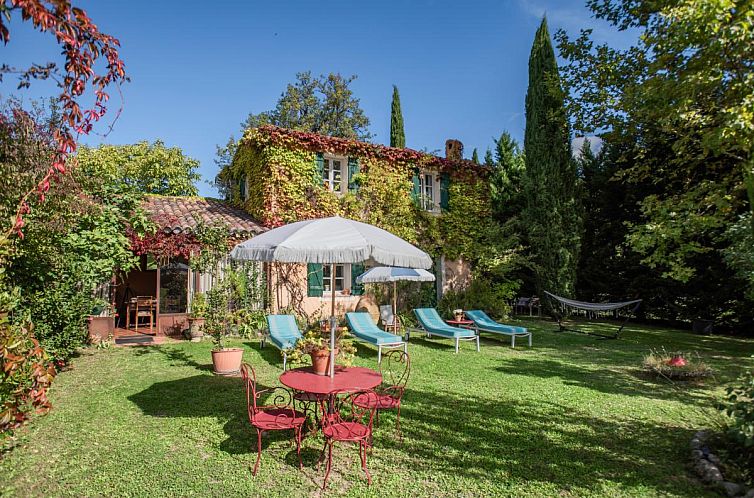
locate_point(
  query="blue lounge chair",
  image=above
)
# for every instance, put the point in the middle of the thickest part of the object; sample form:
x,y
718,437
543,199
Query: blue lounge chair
x,y
431,322
483,323
283,334
363,328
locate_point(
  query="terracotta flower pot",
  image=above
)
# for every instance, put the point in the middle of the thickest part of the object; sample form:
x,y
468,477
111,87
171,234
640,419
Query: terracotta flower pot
x,y
321,360
227,361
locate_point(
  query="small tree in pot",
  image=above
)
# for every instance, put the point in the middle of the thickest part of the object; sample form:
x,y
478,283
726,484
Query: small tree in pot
x,y
197,316
226,361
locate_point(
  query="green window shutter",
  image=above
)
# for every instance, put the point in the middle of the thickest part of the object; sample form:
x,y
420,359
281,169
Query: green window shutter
x,y
415,194
319,161
314,280
444,192
356,270
353,169
242,187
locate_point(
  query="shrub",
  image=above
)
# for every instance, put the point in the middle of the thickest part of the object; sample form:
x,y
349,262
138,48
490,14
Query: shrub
x,y
25,375
739,407
481,294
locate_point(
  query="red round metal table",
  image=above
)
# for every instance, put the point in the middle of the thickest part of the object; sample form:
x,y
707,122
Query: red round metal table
x,y
345,379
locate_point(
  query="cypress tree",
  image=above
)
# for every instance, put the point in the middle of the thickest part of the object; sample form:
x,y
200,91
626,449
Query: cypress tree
x,y
488,160
397,136
551,215
475,156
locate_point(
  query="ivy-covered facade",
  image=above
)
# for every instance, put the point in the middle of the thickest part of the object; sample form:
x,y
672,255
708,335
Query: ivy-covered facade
x,y
440,204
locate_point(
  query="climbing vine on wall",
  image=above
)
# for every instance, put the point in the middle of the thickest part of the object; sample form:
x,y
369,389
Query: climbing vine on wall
x,y
278,170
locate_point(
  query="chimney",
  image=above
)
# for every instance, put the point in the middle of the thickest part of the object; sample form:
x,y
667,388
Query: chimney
x,y
453,150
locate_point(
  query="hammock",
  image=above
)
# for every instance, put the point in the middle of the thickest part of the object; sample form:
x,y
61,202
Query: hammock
x,y
568,304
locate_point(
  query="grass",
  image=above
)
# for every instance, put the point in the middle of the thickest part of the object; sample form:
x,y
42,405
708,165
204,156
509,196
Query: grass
x,y
573,416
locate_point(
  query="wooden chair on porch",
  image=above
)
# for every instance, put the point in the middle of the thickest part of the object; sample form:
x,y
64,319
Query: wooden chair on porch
x,y
142,307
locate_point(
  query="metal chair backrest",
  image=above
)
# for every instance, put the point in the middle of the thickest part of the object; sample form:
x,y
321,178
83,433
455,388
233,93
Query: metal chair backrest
x,y
250,381
344,409
395,369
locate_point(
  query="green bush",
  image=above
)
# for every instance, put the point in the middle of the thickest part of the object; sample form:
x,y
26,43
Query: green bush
x,y
482,294
59,313
739,407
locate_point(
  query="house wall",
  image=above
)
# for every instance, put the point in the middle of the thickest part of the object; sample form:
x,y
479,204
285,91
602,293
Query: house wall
x,y
288,288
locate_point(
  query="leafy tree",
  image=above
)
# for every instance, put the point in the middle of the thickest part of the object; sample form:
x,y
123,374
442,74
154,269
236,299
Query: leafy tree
x,y
676,110
551,213
397,136
149,168
83,46
475,156
324,105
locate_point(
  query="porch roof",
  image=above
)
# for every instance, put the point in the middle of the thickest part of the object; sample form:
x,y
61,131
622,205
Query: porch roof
x,y
183,214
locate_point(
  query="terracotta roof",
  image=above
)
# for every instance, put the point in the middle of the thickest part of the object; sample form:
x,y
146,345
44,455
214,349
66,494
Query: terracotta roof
x,y
182,214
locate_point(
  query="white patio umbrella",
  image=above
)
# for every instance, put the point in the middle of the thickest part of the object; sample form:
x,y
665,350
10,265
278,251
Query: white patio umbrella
x,y
331,241
383,274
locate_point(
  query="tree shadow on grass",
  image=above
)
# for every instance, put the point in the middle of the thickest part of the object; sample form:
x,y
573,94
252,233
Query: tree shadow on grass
x,y
176,356
537,441
623,381
222,398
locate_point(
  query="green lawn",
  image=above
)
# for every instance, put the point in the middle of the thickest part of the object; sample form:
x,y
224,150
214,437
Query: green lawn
x,y
573,416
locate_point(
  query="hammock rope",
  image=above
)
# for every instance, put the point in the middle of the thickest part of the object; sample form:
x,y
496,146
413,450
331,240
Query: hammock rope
x,y
567,304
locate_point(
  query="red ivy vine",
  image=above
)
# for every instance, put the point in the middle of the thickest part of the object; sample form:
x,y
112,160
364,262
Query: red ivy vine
x,y
313,142
83,45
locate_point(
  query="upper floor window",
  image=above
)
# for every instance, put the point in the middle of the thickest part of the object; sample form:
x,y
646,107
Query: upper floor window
x,y
334,172
429,188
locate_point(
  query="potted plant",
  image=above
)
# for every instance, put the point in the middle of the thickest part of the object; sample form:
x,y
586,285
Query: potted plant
x,y
316,345
226,361
458,314
197,317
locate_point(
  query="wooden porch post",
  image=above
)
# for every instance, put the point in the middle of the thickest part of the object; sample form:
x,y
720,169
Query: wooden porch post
x,y
157,297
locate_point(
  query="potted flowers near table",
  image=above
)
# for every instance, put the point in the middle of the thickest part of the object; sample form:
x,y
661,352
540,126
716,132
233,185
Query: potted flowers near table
x,y
458,314
316,345
197,317
226,361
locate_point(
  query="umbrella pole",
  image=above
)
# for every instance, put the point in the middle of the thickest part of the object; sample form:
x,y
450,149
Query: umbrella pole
x,y
333,321
395,307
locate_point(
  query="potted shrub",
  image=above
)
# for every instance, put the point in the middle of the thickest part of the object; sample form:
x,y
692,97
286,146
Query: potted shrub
x,y
197,317
316,345
226,361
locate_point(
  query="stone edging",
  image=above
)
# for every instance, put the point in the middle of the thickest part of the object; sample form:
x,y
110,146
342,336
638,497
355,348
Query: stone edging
x,y
706,464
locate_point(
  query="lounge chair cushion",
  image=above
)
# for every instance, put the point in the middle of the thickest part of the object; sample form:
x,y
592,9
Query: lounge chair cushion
x,y
362,327
284,332
484,322
431,322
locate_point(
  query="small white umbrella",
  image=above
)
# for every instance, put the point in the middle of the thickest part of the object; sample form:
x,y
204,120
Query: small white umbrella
x,y
331,241
383,274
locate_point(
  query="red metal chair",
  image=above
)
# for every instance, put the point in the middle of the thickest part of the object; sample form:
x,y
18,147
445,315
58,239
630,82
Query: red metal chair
x,y
395,369
280,415
343,420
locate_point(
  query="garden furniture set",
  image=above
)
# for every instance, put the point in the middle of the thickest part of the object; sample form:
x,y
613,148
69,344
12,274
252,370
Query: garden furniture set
x,y
346,404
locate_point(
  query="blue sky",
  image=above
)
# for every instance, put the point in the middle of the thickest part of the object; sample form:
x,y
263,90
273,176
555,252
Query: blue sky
x,y
198,68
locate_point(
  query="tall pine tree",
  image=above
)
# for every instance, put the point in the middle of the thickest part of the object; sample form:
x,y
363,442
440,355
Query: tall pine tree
x,y
475,156
397,136
551,216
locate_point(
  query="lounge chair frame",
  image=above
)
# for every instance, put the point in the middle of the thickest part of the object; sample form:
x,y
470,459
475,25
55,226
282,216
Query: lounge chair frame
x,y
429,333
513,335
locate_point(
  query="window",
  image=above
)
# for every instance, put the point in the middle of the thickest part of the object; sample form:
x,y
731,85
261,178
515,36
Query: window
x,y
340,277
427,191
333,173
174,288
